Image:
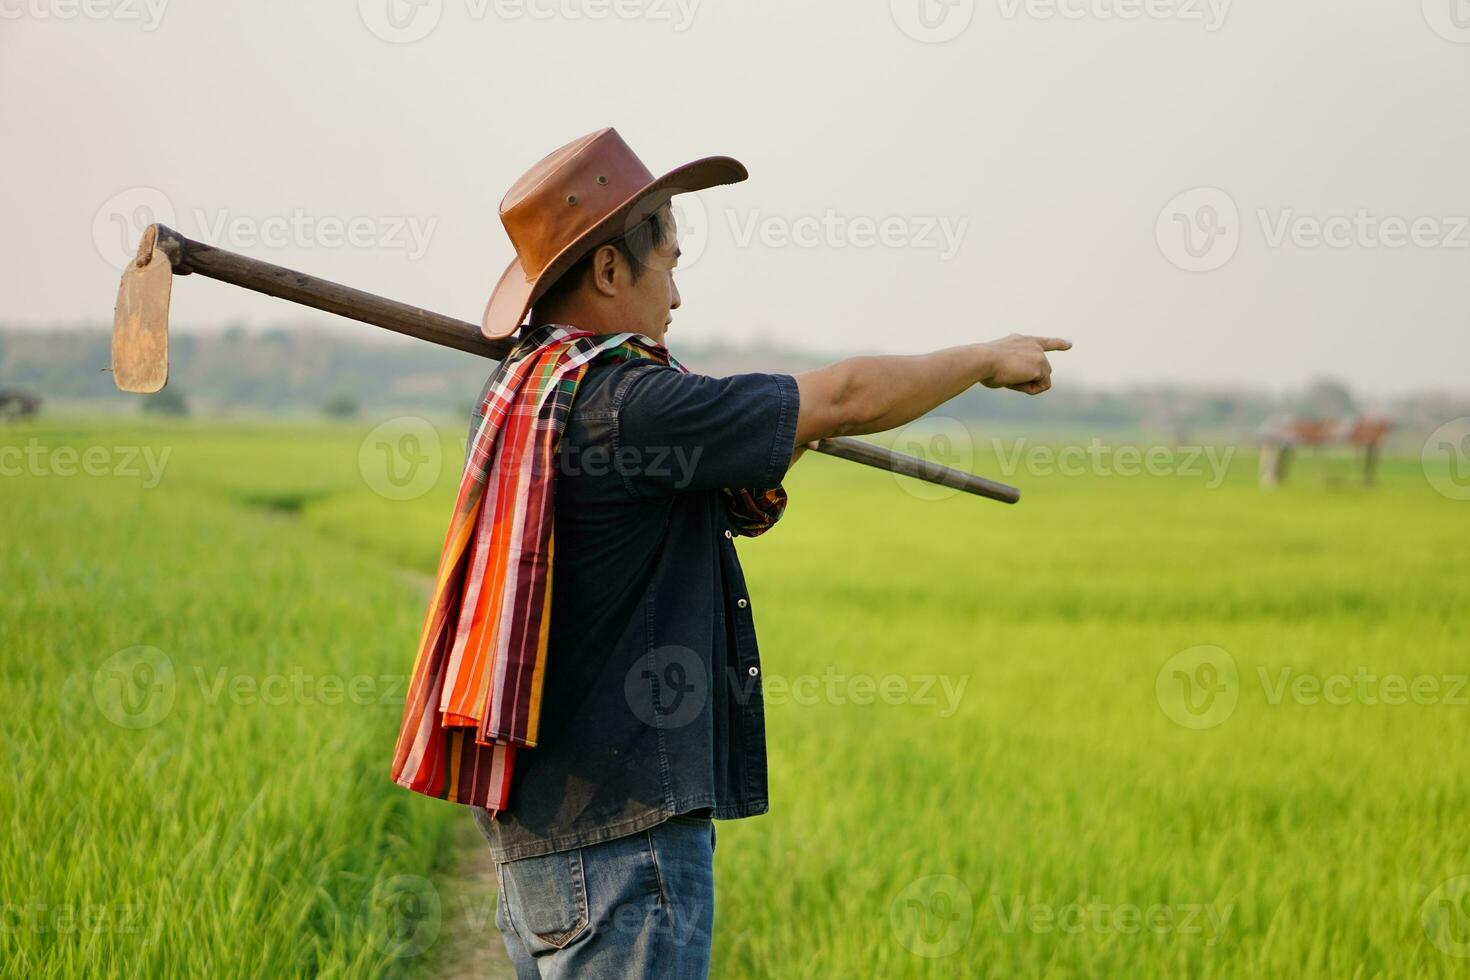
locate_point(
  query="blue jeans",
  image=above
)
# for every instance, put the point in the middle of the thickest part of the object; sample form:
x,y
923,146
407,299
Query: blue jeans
x,y
636,906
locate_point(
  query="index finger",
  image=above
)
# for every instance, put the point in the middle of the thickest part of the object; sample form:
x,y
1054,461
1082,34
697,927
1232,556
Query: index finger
x,y
1054,343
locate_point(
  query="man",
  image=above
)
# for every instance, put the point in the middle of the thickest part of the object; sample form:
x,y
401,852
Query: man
x,y
597,739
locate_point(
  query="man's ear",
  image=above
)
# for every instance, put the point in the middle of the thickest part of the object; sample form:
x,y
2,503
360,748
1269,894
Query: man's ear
x,y
605,270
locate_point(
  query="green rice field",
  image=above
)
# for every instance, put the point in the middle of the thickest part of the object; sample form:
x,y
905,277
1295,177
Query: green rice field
x,y
1141,725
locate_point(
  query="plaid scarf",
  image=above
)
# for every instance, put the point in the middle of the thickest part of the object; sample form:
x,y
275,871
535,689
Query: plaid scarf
x,y
475,696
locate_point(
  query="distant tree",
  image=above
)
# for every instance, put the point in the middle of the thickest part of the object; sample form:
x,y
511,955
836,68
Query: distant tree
x,y
1327,399
341,405
16,404
169,401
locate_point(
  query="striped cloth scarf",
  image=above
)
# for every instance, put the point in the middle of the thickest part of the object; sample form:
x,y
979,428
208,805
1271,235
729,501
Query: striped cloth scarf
x,y
475,696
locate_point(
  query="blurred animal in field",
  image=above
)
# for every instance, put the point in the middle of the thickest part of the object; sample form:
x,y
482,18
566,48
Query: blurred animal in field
x,y
1282,436
16,404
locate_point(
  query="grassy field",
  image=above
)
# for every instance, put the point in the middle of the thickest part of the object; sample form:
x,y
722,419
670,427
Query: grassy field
x,y
1137,726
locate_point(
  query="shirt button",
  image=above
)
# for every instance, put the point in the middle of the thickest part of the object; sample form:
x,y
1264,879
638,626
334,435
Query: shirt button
x,y
753,671
741,603
729,535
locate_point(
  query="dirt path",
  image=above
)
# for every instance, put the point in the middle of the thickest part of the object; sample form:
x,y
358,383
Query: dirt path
x,y
469,943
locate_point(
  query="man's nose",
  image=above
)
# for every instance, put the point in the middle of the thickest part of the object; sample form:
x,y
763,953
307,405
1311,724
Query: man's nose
x,y
675,300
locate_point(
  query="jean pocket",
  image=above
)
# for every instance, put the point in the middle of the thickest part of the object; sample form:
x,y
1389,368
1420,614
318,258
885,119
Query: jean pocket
x,y
691,819
546,898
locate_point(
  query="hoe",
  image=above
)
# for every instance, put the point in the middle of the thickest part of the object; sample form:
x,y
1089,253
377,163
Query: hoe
x,y
140,334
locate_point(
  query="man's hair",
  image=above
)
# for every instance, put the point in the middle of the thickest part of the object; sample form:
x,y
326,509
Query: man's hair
x,y
635,246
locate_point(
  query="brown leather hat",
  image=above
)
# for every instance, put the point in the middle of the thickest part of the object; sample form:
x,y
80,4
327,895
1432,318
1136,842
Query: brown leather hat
x,y
588,193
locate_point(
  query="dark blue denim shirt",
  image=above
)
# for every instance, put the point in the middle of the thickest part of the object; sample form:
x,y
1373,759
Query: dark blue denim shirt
x,y
652,700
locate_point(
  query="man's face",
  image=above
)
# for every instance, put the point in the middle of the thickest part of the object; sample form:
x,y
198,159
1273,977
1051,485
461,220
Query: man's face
x,y
650,301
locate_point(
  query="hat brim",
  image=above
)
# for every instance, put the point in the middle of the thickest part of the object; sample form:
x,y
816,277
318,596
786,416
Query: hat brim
x,y
515,293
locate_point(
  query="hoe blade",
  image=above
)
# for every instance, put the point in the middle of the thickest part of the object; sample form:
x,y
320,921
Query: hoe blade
x,y
140,319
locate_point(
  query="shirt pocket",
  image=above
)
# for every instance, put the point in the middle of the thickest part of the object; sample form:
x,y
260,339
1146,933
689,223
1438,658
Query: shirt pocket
x,y
546,899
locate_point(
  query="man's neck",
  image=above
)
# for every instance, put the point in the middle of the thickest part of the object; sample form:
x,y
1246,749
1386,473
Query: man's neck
x,y
591,324
579,317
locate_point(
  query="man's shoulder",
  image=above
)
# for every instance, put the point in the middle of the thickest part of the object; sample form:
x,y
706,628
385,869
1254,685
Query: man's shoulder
x,y
608,381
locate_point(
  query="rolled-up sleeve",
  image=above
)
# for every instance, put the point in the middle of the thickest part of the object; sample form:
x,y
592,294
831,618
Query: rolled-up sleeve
x,y
678,432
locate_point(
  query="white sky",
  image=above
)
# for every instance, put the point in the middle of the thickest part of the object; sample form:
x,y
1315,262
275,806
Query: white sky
x,y
1049,145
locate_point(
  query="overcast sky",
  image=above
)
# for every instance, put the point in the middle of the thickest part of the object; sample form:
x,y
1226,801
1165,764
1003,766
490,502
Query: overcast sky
x,y
1249,193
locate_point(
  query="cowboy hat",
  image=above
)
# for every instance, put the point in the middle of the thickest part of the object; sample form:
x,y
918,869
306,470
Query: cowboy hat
x,y
588,193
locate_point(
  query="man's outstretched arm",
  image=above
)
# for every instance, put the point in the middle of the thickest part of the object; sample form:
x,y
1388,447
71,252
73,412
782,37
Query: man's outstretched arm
x,y
873,394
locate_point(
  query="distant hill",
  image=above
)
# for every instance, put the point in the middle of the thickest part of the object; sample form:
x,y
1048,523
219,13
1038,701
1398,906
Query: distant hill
x,y
297,369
